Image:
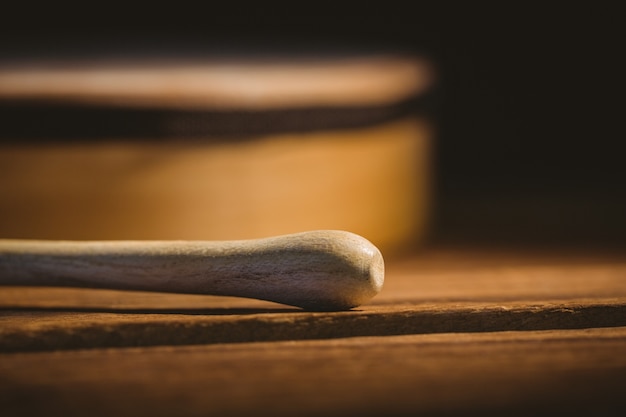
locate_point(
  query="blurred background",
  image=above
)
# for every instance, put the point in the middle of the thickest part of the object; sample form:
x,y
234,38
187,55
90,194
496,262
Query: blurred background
x,y
524,140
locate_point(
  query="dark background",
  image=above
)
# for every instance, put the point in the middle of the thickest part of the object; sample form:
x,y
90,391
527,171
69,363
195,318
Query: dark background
x,y
530,146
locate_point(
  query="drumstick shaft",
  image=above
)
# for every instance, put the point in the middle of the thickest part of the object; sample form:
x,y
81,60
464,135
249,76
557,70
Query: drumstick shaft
x,y
319,270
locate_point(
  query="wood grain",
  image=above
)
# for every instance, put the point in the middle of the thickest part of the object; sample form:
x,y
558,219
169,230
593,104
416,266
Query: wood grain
x,y
510,373
456,331
29,330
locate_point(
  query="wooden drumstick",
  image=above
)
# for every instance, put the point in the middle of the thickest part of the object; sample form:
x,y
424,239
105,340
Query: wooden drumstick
x,y
318,270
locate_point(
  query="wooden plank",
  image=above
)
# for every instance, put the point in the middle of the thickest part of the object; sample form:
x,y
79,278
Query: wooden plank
x,y
448,349
52,330
440,291
505,373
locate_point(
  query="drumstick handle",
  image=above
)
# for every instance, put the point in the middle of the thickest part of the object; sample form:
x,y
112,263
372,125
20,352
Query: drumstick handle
x,y
318,270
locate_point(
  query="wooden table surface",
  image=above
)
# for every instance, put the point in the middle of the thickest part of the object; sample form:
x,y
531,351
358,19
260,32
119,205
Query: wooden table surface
x,y
455,331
